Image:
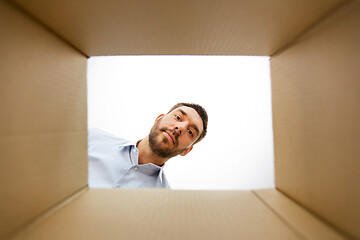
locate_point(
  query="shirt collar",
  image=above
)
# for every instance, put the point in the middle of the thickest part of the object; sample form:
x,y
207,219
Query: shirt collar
x,y
128,143
151,168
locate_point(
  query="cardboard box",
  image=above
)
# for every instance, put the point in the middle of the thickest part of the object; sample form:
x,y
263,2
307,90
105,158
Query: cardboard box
x,y
315,59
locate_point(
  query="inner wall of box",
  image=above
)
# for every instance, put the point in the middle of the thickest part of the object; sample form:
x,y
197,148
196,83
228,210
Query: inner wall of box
x,y
316,115
43,119
315,92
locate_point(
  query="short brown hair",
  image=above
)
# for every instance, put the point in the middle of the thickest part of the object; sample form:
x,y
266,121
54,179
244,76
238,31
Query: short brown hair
x,y
201,111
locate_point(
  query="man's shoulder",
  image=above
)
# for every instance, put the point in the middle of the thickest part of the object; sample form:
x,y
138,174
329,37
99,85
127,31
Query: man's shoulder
x,y
96,134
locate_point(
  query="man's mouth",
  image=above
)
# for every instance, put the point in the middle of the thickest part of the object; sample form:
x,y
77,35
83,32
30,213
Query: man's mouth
x,y
170,137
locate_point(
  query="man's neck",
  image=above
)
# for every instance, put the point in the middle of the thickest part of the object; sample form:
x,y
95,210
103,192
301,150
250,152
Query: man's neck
x,y
146,155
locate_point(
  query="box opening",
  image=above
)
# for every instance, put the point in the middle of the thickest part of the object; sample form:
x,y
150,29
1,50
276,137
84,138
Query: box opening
x,y
127,93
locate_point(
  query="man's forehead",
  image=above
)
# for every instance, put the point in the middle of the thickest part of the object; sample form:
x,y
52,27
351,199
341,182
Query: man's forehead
x,y
192,114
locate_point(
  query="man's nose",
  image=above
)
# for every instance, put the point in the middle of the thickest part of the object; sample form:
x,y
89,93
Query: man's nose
x,y
179,130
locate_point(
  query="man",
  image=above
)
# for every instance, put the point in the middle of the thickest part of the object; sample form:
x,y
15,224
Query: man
x,y
115,162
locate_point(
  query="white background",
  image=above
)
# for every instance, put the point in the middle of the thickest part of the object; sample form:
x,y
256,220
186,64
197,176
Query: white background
x,y
127,93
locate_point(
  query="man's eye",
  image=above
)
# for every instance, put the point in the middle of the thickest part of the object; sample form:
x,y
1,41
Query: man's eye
x,y
190,132
177,117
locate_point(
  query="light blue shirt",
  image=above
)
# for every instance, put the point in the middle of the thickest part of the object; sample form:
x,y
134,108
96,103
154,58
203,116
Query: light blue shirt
x,y
113,163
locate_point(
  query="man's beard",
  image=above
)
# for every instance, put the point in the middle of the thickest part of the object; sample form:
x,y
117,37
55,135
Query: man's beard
x,y
161,148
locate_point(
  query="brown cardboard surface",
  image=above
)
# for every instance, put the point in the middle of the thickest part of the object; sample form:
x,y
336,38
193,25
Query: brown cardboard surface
x,y
162,214
316,115
228,27
43,117
303,222
42,122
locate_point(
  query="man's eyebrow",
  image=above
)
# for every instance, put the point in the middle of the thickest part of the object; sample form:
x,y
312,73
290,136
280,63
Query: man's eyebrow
x,y
182,112
193,125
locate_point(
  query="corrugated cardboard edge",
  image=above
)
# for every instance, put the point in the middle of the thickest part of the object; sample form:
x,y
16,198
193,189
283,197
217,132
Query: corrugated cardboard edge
x,y
45,215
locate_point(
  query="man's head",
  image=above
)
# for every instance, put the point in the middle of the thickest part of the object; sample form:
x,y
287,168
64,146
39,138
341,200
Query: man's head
x,y
177,131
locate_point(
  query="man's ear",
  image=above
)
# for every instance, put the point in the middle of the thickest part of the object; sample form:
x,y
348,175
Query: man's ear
x,y
160,116
186,151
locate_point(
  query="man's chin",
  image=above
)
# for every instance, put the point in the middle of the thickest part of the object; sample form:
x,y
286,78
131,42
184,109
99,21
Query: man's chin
x,y
166,150
163,152
161,145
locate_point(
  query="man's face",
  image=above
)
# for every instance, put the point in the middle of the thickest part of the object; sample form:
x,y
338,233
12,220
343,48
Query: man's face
x,y
175,132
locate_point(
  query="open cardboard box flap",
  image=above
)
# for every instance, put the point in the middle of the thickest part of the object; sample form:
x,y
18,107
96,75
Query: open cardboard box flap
x,y
315,87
